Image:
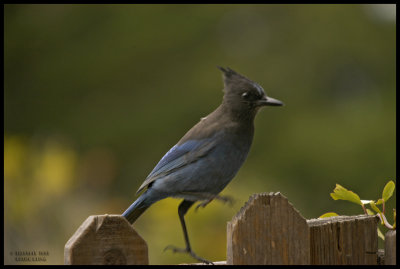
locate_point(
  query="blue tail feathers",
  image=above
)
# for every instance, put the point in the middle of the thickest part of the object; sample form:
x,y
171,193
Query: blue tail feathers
x,y
136,209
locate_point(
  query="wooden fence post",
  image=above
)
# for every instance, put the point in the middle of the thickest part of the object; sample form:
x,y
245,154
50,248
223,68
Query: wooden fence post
x,y
344,240
106,240
268,230
390,247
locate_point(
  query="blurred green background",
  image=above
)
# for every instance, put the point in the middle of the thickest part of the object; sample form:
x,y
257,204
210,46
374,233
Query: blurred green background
x,y
96,94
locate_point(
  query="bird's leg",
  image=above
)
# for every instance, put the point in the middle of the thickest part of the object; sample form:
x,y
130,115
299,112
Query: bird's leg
x,y
224,199
182,209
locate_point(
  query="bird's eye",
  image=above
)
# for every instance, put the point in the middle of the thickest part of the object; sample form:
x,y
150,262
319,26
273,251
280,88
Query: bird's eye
x,y
245,95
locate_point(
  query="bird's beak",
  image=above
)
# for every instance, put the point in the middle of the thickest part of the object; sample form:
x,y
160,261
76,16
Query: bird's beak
x,y
269,101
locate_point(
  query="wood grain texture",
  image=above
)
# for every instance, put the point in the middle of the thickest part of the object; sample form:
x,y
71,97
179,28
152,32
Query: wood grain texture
x,y
268,230
350,240
106,240
390,248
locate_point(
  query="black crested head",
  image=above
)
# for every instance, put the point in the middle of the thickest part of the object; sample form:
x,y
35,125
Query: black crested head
x,y
233,80
242,95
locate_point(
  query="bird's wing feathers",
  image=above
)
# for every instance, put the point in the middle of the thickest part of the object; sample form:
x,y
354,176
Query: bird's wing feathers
x,y
179,156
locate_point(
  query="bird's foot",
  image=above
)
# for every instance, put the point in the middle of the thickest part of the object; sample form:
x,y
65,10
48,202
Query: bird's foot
x,y
188,251
224,199
203,204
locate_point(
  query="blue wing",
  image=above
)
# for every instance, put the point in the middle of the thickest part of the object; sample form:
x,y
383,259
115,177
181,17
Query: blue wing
x,y
177,157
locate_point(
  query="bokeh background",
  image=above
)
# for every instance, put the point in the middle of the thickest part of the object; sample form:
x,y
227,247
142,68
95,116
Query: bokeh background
x,y
95,95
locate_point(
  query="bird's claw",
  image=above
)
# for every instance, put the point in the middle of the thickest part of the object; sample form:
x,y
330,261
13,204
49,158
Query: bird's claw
x,y
203,204
189,251
223,199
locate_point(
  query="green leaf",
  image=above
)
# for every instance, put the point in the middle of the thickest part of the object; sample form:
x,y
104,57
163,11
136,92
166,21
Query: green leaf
x,y
388,191
327,215
394,218
370,212
380,201
343,194
380,234
374,207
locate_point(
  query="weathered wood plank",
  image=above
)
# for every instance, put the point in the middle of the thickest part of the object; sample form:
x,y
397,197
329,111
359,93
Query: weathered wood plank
x,y
390,247
344,240
268,230
202,263
106,240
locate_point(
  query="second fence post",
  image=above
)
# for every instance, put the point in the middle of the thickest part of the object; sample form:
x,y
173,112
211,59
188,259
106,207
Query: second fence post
x,y
268,230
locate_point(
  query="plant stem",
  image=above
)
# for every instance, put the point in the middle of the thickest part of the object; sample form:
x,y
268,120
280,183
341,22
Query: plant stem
x,y
384,221
363,207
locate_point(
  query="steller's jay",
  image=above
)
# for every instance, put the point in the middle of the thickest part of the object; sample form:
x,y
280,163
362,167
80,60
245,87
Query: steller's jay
x,y
208,156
